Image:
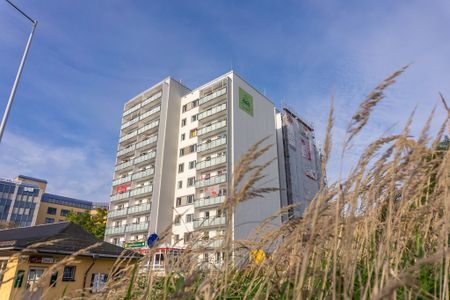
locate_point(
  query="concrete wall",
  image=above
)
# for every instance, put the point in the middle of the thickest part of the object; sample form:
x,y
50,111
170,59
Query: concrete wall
x,y
246,130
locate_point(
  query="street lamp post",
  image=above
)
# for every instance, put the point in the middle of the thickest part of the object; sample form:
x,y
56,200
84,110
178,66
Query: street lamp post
x,y
19,72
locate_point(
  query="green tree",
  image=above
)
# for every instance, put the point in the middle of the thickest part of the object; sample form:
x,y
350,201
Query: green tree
x,y
93,223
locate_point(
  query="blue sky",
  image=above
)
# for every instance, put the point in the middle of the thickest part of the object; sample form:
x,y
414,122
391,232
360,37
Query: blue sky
x,y
89,57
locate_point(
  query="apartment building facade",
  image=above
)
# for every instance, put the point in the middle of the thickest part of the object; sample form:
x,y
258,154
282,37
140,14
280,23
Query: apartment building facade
x,y
215,124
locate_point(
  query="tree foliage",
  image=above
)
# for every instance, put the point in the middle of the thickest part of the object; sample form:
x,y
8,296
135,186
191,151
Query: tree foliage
x,y
93,223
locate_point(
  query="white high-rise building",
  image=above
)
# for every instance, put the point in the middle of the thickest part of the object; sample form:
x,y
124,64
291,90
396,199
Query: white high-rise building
x,y
202,134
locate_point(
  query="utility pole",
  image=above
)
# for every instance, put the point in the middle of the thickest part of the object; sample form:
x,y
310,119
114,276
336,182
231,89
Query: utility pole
x,y
19,72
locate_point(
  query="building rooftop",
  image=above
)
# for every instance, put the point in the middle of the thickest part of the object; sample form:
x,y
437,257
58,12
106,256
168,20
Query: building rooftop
x,y
62,200
58,238
31,178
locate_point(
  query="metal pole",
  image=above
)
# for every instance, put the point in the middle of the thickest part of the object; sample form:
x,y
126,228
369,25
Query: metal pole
x,y
19,73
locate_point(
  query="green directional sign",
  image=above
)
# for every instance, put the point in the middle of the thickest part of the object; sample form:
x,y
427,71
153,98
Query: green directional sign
x,y
133,245
245,102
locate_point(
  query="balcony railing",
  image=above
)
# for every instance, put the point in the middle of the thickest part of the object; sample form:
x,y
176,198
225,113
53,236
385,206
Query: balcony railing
x,y
117,213
115,230
128,136
129,123
121,180
214,221
126,150
212,162
208,244
142,174
212,111
137,227
212,96
212,127
145,157
123,165
207,146
141,190
146,142
150,112
133,109
148,127
139,208
211,181
152,98
203,202
120,196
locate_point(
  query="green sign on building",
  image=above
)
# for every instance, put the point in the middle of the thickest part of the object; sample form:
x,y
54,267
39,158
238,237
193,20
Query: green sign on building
x,y
134,245
245,102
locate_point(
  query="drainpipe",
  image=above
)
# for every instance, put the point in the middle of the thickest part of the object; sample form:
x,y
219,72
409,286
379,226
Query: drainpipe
x,y
94,257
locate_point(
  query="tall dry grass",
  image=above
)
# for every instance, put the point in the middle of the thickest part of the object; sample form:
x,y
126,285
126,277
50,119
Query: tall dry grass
x,y
381,232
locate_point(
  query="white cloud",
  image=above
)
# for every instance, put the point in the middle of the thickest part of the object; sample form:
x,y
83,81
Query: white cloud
x,y
82,173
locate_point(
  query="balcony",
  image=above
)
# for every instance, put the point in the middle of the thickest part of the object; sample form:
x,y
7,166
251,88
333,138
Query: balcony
x,y
126,150
143,174
211,181
212,127
148,127
211,222
121,180
213,144
208,244
120,196
152,98
146,142
131,110
117,213
211,163
141,190
212,111
128,136
150,112
138,227
139,208
115,230
212,96
212,201
123,165
129,123
145,157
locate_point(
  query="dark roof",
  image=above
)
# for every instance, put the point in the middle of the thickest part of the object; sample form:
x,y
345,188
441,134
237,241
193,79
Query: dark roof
x,y
67,238
58,199
31,178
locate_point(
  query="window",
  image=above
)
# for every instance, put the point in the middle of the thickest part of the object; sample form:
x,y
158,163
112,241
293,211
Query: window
x,y
64,212
98,282
53,279
193,133
3,264
194,118
190,199
33,277
180,184
177,220
159,260
178,203
192,164
189,218
205,257
190,181
187,236
69,273
183,136
206,214
181,168
185,108
192,148
183,122
51,211
18,280
49,220
176,238
181,152
195,103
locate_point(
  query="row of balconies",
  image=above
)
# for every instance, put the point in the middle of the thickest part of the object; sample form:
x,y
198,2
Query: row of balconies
x,y
210,222
138,227
135,176
144,103
141,117
208,244
211,201
212,111
212,96
129,210
137,160
213,144
134,192
139,131
211,181
211,162
214,126
139,145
